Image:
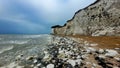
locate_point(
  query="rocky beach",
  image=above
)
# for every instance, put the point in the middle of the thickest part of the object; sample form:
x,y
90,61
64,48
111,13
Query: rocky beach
x,y
96,28
66,52
91,39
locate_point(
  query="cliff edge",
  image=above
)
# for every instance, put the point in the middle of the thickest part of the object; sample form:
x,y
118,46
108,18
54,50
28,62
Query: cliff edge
x,y
102,18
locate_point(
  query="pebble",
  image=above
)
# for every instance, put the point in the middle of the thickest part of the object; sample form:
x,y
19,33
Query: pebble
x,y
88,62
95,65
45,52
72,62
117,48
111,52
35,67
30,58
39,64
90,49
50,66
117,58
32,65
35,61
102,56
47,56
78,57
66,52
101,51
115,67
93,44
78,61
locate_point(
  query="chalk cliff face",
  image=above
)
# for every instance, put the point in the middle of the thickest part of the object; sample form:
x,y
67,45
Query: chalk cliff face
x,y
101,18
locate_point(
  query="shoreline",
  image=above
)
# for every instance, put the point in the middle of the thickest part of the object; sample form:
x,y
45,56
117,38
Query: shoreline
x,y
65,52
105,42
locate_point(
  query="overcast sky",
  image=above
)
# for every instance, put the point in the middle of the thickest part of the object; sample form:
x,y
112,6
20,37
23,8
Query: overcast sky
x,y
36,16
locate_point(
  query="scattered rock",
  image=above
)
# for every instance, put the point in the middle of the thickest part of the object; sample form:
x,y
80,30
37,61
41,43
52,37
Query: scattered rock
x,y
35,61
111,52
93,44
90,49
30,58
101,51
50,66
71,55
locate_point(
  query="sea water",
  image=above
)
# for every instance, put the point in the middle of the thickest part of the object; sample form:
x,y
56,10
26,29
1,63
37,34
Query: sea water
x,y
13,45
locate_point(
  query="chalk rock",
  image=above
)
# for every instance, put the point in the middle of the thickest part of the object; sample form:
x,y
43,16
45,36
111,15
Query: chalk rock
x,y
101,51
93,44
72,62
90,49
50,66
111,52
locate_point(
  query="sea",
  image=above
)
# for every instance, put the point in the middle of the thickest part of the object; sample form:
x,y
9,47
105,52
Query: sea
x,y
27,45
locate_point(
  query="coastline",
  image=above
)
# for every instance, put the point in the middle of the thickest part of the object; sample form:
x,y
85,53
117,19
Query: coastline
x,y
65,52
105,42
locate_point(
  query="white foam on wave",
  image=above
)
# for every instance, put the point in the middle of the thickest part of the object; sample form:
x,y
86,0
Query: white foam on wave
x,y
0,38
34,36
12,65
19,42
14,42
3,49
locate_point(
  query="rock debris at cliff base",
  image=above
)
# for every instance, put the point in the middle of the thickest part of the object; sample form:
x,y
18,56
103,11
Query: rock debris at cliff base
x,y
64,52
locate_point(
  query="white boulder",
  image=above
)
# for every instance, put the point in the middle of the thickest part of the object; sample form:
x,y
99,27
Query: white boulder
x,y
111,52
72,62
50,66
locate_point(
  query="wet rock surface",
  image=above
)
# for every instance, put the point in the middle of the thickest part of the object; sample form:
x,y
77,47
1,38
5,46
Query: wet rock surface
x,y
64,52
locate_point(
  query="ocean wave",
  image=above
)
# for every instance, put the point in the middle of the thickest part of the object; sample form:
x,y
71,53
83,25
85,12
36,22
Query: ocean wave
x,y
6,48
34,36
14,42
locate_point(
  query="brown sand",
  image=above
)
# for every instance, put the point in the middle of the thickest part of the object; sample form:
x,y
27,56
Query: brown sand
x,y
105,42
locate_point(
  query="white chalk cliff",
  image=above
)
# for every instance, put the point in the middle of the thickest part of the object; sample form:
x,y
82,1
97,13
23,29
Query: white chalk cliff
x,y
102,18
